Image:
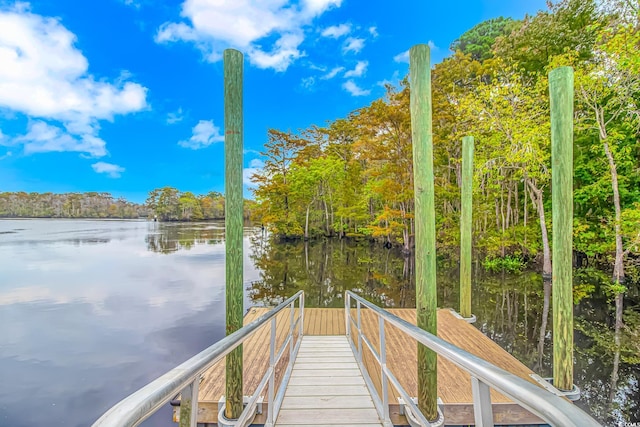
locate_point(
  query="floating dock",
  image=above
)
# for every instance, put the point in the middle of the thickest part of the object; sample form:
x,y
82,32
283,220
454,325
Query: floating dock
x,y
454,384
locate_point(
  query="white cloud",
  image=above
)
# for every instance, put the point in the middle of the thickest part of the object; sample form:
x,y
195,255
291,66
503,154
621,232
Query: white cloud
x,y
317,7
113,171
255,166
6,155
270,31
331,74
404,56
354,89
283,54
175,117
42,137
353,44
308,82
133,3
373,31
361,68
336,31
44,76
203,135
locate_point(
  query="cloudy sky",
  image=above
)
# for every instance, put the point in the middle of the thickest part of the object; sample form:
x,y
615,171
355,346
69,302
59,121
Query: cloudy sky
x,y
126,95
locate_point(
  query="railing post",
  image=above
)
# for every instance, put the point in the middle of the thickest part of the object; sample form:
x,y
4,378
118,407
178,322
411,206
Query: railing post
x,y
482,410
301,315
359,333
293,304
383,374
272,358
189,404
347,306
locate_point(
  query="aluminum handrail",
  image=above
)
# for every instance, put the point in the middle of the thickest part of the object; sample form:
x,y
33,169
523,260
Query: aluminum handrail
x,y
185,378
553,409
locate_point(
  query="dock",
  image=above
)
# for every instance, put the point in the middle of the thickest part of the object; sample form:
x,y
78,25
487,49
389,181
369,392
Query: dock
x,y
454,385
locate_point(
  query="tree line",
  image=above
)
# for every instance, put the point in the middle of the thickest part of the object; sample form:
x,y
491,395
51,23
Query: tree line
x,y
67,205
354,176
171,204
164,204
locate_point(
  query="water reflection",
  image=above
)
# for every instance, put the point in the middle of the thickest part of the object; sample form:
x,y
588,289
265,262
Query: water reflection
x,y
91,312
512,309
169,237
326,269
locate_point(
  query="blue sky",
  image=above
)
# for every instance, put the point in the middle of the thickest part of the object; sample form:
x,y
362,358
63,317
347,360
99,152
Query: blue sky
x,y
126,95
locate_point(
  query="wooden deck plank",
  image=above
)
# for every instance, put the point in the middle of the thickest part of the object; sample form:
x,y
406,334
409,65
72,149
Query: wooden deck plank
x,y
329,402
326,380
327,390
353,372
328,416
332,366
454,385
310,399
333,425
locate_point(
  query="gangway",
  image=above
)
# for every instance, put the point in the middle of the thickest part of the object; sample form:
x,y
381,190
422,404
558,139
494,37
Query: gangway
x,y
325,380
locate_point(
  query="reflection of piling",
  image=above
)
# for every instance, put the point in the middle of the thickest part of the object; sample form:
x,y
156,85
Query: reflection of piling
x,y
466,215
561,94
233,126
426,295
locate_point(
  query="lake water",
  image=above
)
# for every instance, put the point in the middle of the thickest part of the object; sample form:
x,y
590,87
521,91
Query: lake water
x,y
93,310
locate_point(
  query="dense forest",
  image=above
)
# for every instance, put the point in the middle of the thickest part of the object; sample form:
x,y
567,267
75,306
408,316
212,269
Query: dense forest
x,y
354,176
67,205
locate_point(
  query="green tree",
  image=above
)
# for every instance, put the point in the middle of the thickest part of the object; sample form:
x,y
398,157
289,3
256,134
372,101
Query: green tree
x,y
478,41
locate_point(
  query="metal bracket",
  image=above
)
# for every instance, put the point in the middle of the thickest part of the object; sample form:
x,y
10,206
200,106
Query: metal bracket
x,y
457,315
224,422
406,411
547,383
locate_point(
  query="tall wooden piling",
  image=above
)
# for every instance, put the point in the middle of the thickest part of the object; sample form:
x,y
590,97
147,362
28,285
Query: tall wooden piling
x,y
233,141
425,230
561,95
466,217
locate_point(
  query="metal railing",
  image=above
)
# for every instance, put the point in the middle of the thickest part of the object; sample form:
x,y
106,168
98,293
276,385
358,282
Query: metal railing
x,y
553,409
185,378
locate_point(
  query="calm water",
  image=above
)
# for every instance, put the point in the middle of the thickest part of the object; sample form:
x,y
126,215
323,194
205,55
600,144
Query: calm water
x,y
93,310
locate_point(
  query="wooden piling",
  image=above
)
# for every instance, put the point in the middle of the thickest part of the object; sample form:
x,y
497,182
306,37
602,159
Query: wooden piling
x,y
425,252
233,142
466,217
561,96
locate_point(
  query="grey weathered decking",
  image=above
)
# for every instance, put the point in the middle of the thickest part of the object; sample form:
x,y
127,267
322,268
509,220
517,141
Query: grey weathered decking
x,y
326,387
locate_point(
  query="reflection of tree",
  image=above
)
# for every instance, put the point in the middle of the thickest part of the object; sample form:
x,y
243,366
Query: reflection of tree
x,y
610,344
166,238
324,269
508,308
543,324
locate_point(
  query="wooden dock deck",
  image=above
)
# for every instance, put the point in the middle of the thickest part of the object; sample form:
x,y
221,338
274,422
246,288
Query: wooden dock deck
x,y
454,385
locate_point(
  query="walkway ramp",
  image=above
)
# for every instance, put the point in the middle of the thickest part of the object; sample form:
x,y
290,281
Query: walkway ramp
x,y
326,387
348,367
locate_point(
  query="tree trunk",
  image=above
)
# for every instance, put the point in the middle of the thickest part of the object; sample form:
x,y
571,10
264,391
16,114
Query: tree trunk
x,y
326,215
306,224
618,265
538,201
